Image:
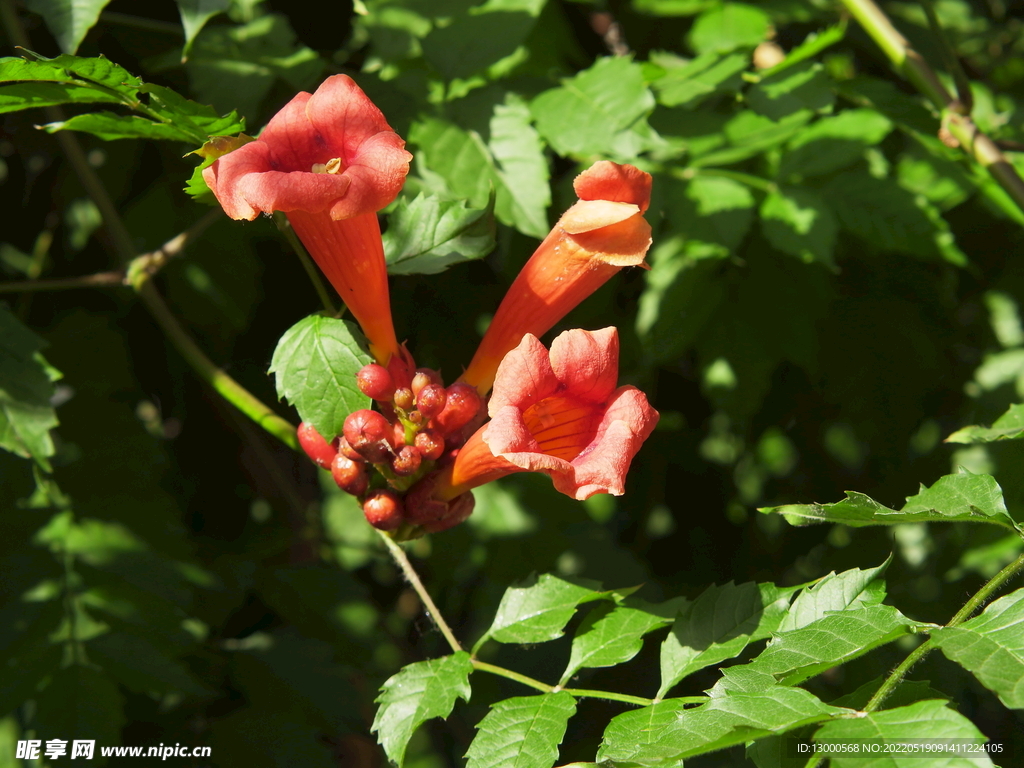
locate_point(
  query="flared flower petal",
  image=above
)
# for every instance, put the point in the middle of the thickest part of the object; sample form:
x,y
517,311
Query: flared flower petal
x,y
559,413
599,235
330,161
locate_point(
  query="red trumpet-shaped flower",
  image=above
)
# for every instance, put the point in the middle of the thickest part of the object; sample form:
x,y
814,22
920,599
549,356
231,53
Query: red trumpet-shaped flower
x,y
330,161
599,235
559,413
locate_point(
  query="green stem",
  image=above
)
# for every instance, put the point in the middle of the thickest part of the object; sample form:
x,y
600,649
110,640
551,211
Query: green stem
x,y
414,579
915,69
221,383
281,220
896,676
483,666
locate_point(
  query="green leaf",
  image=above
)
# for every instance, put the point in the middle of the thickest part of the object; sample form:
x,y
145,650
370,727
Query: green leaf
x,y
419,692
81,703
751,134
194,15
1009,426
98,71
29,95
795,220
612,634
141,666
667,731
512,166
718,625
522,191
537,610
830,641
814,44
711,213
923,720
672,7
26,386
855,588
523,732
681,295
890,217
834,142
68,20
474,41
963,497
429,234
234,67
316,362
991,647
727,27
804,87
109,126
584,115
710,73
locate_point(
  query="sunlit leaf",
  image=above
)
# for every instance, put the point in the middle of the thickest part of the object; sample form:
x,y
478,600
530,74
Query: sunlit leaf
x,y
428,234
523,732
963,497
991,647
419,692
315,364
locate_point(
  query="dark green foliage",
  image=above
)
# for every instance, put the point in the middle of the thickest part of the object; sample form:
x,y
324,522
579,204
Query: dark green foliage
x,y
830,325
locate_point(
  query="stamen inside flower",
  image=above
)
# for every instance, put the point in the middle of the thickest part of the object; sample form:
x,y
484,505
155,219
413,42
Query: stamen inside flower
x,y
562,426
334,165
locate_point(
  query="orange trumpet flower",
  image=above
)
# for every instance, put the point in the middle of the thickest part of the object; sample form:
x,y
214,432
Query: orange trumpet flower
x,y
330,161
599,235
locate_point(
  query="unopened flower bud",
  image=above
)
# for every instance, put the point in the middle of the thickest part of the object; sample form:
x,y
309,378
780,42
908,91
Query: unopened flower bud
x,y
430,443
459,509
316,447
407,461
463,403
431,399
383,509
399,436
349,475
423,378
369,434
347,450
374,381
404,399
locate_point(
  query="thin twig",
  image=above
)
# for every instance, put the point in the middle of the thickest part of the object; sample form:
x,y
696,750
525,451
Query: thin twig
x,y
124,248
912,66
144,266
413,578
113,279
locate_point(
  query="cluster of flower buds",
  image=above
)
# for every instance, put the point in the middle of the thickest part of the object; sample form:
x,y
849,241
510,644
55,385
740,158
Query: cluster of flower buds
x,y
381,454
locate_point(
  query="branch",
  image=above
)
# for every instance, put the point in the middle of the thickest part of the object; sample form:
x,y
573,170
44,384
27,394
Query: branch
x,y
124,248
99,280
414,579
913,67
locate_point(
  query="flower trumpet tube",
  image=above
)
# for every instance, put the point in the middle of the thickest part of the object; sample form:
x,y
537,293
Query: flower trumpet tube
x,y
599,235
329,161
556,412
